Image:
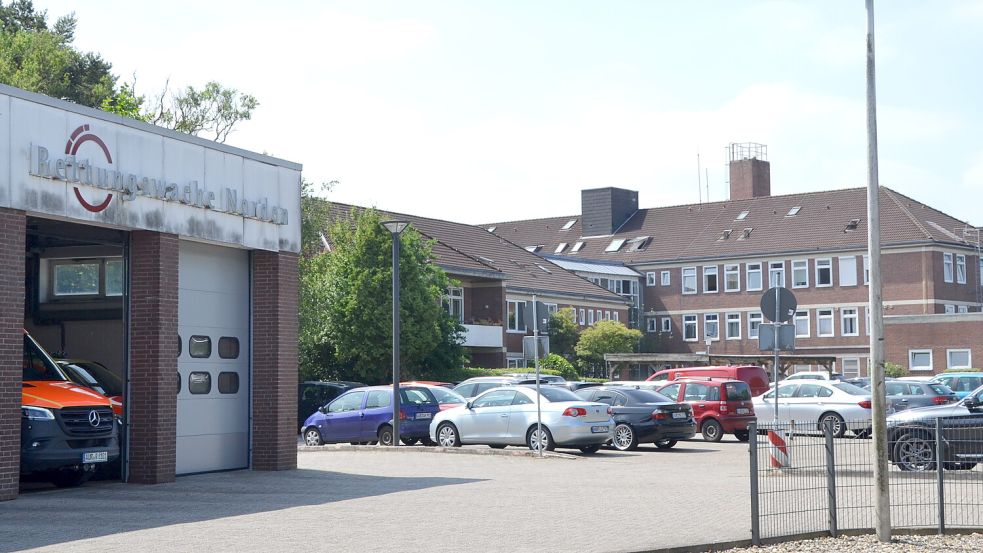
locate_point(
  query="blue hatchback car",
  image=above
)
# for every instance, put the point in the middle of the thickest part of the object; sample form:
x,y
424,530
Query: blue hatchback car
x,y
365,415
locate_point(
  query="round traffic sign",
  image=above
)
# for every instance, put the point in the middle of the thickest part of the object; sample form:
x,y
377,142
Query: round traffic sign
x,y
778,302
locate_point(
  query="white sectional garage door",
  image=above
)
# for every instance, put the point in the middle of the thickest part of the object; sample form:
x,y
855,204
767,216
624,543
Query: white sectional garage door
x,y
213,325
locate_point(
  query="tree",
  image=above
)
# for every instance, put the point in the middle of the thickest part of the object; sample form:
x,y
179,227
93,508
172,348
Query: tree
x,y
557,363
894,370
605,337
563,331
214,110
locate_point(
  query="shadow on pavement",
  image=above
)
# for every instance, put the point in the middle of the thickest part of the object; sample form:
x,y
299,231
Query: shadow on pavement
x,y
50,517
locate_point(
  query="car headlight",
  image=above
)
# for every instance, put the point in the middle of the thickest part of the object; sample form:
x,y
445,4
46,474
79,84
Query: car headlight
x,y
37,413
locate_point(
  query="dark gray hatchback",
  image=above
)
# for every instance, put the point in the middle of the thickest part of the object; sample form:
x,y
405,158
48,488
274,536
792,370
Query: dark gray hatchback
x,y
643,416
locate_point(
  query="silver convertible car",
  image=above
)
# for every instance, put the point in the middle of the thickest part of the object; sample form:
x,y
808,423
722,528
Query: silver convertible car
x,y
507,416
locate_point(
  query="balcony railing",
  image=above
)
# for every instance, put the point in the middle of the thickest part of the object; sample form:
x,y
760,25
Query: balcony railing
x,y
483,336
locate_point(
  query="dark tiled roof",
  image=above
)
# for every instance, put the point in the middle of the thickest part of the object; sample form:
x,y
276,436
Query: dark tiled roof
x,y
696,231
474,248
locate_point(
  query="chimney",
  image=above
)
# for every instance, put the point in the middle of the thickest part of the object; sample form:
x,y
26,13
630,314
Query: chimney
x,y
750,172
604,210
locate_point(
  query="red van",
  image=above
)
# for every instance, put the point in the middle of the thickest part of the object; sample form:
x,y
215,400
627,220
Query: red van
x,y
756,377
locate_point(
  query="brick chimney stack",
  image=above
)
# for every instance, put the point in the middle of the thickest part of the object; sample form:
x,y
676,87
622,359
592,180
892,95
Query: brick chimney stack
x,y
750,172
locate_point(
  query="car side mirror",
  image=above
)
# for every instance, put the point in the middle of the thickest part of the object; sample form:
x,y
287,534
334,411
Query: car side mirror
x,y
323,409
469,405
972,403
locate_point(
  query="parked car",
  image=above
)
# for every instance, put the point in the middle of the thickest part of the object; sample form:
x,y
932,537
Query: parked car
x,y
720,406
815,375
473,387
861,382
506,416
960,383
756,377
911,435
903,395
448,399
447,385
643,416
549,378
364,415
651,385
313,394
811,403
97,377
574,385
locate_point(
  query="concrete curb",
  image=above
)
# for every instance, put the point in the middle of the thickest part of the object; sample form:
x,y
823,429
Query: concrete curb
x,y
426,449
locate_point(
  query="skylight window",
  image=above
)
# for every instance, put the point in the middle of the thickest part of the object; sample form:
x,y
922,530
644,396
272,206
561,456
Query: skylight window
x,y
746,233
492,229
569,224
638,244
743,215
577,247
725,234
486,260
615,245
852,225
560,248
533,249
794,211
545,270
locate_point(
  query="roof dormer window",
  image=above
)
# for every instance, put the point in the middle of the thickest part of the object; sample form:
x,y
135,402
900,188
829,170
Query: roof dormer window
x,y
743,215
569,224
615,245
560,248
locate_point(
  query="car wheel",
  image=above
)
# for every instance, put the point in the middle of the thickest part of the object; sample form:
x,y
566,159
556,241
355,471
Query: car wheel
x,y
70,478
386,435
312,437
497,446
625,438
409,441
742,435
536,440
836,421
711,430
915,452
665,444
447,435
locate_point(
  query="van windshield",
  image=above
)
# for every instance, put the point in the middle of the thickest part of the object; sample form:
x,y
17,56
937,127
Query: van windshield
x,y
37,364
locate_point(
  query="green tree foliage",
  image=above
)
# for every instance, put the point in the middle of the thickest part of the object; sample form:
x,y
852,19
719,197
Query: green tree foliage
x,y
558,365
563,331
894,370
605,337
212,111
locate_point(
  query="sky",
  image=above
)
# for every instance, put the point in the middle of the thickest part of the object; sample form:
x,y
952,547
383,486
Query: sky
x,y
497,110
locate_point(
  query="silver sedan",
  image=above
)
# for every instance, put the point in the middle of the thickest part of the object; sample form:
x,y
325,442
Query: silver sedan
x,y
507,416
812,403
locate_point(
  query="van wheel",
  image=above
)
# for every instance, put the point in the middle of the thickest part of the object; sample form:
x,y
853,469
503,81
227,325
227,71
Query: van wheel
x,y
70,478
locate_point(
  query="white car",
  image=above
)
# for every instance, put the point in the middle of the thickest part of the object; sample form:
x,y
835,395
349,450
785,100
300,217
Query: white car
x,y
814,375
810,403
507,416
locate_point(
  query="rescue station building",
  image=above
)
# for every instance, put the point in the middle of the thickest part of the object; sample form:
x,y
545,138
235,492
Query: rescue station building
x,y
169,259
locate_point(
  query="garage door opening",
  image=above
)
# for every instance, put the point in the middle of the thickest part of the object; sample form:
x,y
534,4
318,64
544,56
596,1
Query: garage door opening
x,y
75,302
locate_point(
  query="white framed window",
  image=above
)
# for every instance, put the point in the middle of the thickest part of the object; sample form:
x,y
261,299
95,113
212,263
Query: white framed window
x,y
732,278
711,326
590,317
666,324
850,367
802,324
753,276
454,303
848,321
607,315
516,363
665,278
920,360
598,317
753,322
949,309
776,273
583,317
867,320
733,326
517,316
800,273
824,322
848,270
710,283
960,269
689,280
947,267
615,316
649,279
651,324
690,331
958,358
962,309
577,247
824,272
866,270
560,247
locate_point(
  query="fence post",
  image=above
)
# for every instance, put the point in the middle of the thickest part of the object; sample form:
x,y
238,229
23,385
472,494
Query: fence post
x,y
940,473
831,477
753,449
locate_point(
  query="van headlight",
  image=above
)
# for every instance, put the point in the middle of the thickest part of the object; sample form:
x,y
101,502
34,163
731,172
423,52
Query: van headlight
x,y
37,413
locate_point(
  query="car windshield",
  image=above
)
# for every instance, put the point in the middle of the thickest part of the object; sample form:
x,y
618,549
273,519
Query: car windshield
x,y
98,377
553,393
444,395
850,389
37,364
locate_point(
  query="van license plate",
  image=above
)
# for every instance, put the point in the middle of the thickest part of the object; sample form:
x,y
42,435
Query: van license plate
x,y
598,429
95,457
423,416
679,415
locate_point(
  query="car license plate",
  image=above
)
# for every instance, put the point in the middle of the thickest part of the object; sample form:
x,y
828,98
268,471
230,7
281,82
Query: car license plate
x,y
423,416
742,411
679,415
598,429
95,457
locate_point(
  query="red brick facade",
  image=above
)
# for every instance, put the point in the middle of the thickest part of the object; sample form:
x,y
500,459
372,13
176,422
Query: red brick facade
x,y
935,333
275,329
13,228
151,406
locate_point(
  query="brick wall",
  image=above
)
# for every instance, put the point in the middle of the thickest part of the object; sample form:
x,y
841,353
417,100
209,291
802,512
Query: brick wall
x,y
275,327
13,228
937,333
151,406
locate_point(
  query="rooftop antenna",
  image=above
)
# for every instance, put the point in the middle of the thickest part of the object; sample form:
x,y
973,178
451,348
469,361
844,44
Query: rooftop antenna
x,y
699,189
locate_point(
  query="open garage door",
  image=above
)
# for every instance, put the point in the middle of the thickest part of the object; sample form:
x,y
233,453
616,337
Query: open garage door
x,y
213,365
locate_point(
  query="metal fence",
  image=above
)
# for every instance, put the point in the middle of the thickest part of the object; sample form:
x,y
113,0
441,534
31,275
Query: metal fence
x,y
806,480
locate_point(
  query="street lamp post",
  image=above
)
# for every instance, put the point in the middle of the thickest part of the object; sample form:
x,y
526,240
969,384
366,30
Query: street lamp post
x,y
395,228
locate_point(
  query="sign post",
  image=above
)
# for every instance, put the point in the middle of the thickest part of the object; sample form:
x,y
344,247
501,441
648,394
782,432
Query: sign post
x,y
778,306
535,333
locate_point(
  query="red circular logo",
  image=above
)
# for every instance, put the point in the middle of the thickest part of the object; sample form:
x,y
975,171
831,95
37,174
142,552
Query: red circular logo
x,y
79,137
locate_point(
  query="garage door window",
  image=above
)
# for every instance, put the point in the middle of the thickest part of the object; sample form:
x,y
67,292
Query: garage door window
x,y
179,345
228,347
76,279
114,277
199,382
228,383
200,347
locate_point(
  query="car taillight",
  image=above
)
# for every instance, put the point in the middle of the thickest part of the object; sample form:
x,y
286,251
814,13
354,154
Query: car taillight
x,y
723,406
575,412
941,400
659,415
402,415
865,404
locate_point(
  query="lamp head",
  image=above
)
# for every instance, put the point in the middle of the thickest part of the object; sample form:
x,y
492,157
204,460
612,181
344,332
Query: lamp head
x,y
395,227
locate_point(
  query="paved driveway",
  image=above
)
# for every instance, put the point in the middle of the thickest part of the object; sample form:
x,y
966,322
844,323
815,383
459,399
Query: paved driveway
x,y
377,500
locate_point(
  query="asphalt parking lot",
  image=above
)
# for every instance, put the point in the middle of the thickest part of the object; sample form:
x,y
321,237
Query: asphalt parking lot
x,y
371,499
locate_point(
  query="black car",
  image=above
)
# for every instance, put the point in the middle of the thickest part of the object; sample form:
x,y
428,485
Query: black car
x,y
574,385
911,435
313,394
643,416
